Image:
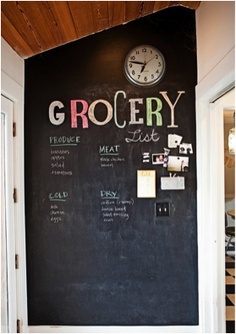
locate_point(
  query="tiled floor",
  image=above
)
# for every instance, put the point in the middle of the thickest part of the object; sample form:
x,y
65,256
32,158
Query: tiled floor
x,y
230,293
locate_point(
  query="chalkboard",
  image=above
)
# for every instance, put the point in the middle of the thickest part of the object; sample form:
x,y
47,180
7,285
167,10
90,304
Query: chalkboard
x,y
98,253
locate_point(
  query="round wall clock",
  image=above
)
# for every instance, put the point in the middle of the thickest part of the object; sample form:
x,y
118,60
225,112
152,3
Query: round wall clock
x,y
144,66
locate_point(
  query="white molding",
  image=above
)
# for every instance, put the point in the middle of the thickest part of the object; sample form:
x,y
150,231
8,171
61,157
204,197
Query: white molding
x,y
210,176
114,329
12,87
7,110
219,79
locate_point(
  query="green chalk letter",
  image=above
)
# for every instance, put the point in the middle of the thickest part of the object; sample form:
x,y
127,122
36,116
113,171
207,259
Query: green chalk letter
x,y
156,112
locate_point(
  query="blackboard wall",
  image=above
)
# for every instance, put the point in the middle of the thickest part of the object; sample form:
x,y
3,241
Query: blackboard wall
x,y
96,253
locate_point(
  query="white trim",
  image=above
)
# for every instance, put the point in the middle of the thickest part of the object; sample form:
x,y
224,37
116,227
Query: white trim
x,y
7,110
210,176
114,329
12,87
217,209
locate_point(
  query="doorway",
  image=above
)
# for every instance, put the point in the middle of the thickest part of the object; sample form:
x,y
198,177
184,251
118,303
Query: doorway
x,y
229,177
8,275
219,108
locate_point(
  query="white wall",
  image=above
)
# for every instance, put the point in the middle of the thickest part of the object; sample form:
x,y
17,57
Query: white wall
x,y
215,34
11,64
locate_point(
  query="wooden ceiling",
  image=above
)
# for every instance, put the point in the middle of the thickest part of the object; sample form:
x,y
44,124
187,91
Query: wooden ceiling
x,y
32,27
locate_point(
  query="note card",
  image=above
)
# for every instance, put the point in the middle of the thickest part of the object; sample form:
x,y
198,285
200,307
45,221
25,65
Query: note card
x,y
146,183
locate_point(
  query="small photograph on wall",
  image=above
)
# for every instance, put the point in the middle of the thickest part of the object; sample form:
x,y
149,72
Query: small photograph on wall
x,y
185,148
178,164
158,158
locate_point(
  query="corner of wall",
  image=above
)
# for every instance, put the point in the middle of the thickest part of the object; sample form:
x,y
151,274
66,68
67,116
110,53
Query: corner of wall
x,y
12,64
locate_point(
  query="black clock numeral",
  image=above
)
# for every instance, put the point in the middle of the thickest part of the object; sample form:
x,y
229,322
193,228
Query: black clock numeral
x,y
145,78
159,64
139,76
157,71
144,50
133,72
132,58
137,52
130,65
152,76
156,56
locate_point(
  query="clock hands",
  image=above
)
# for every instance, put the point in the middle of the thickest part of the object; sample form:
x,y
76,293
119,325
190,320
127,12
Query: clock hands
x,y
136,62
145,63
150,59
143,67
142,63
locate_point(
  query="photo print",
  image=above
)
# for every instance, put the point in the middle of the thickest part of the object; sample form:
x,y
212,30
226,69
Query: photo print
x,y
158,158
178,164
185,148
174,140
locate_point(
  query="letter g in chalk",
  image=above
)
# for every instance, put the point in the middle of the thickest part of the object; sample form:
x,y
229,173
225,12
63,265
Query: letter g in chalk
x,y
60,116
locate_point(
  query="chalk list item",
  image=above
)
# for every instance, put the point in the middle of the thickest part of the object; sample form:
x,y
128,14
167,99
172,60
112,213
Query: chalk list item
x,y
110,156
113,207
60,153
57,206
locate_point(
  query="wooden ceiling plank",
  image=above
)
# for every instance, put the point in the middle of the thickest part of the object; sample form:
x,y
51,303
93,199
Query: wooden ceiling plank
x,y
62,15
190,4
137,9
44,25
132,10
147,8
31,27
82,15
100,15
159,5
164,4
19,20
117,11
14,39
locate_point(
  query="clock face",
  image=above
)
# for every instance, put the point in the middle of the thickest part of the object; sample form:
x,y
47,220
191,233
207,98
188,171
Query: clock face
x,y
144,66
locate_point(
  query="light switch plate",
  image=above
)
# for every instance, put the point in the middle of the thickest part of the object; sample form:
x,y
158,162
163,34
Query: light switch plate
x,y
162,209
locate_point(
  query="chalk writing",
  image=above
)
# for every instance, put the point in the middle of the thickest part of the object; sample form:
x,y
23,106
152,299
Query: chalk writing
x,y
138,136
80,109
107,194
109,156
113,208
59,157
58,151
64,140
109,150
58,196
57,211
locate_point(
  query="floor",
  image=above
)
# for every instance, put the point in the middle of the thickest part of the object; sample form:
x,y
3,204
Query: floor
x,y
230,293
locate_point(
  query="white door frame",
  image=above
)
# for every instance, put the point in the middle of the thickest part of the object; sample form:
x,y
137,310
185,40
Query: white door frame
x,y
12,87
7,212
210,176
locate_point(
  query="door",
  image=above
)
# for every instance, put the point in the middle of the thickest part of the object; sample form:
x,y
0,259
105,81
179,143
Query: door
x,y
8,276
